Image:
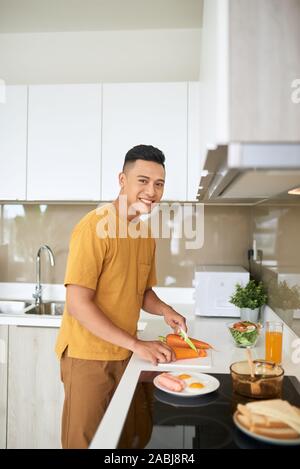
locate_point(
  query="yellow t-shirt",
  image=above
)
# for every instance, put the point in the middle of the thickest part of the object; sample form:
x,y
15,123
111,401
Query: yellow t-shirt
x,y
118,268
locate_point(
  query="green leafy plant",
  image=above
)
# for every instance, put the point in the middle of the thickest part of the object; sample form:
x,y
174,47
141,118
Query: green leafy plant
x,y
251,296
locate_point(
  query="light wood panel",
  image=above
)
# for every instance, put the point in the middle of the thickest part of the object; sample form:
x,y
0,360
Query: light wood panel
x,y
34,389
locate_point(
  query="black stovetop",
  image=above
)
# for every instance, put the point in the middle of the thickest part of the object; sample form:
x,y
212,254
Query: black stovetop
x,y
158,420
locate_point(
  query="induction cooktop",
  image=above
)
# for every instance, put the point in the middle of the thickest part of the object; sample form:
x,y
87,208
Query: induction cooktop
x,y
158,420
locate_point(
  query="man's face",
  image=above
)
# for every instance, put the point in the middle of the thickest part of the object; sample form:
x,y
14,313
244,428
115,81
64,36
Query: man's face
x,y
143,184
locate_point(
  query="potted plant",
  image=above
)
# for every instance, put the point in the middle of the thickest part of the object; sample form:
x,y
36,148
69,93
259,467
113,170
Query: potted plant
x,y
249,299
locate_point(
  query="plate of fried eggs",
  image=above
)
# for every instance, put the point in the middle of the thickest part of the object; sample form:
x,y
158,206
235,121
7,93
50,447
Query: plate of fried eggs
x,y
192,384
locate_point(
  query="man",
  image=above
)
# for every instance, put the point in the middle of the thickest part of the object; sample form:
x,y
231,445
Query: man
x,y
109,277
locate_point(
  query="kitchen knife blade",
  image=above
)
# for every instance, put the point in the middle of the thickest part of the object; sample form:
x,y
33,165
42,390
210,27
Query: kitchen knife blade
x,y
184,335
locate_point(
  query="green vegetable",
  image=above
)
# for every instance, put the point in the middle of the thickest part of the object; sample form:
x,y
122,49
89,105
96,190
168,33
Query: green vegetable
x,y
245,338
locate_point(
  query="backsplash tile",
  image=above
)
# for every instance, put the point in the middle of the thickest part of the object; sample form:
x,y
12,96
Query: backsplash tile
x,y
276,228
25,227
228,234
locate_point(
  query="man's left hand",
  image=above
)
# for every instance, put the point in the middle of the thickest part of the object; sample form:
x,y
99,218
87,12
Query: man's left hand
x,y
175,320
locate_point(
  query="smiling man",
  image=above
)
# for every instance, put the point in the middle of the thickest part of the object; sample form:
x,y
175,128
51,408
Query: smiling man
x,y
109,278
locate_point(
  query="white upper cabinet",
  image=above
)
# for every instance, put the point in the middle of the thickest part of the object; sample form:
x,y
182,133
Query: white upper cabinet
x,y
250,60
145,113
51,138
13,141
64,142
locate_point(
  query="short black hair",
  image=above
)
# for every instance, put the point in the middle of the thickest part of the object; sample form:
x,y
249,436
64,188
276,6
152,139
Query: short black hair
x,y
146,153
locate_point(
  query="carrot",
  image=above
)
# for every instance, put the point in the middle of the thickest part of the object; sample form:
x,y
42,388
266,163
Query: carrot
x,y
182,353
174,340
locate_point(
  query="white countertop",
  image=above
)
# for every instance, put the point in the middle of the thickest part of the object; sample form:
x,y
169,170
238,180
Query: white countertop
x,y
23,292
212,330
30,320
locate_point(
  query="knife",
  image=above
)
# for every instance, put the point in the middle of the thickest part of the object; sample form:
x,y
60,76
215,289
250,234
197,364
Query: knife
x,y
188,341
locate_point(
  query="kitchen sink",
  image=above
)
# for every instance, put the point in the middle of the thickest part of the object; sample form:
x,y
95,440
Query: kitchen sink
x,y
25,307
51,309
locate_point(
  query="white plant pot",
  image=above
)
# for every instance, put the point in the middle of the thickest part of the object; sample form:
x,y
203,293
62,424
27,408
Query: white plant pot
x,y
248,314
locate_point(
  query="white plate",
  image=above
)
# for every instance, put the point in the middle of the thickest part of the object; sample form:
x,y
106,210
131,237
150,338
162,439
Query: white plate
x,y
210,384
265,439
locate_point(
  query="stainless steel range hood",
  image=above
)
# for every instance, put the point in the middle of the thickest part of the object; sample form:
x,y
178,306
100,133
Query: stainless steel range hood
x,y
249,172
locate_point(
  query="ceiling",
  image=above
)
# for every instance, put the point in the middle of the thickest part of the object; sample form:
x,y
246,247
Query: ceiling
x,y
22,16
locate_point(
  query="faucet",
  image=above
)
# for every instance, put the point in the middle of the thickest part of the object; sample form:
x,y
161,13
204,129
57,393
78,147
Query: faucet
x,y
38,288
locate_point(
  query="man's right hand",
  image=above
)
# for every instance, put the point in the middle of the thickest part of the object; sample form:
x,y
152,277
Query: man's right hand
x,y
154,351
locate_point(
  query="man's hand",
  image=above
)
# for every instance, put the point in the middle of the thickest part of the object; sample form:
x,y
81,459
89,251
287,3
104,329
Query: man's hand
x,y
153,305
175,320
154,351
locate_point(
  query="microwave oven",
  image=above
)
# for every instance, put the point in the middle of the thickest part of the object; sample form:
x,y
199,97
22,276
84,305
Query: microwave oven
x,y
214,285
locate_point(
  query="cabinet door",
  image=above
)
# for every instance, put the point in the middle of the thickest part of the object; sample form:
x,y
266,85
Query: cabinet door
x,y
145,113
64,142
249,71
34,389
13,141
3,384
264,65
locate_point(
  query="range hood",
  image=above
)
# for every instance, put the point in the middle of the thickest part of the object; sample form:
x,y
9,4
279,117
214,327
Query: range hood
x,y
249,172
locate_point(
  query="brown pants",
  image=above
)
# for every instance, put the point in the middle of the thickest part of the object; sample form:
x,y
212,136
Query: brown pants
x,y
89,386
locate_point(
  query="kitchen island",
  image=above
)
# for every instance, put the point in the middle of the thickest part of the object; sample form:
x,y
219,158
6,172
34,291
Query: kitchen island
x,y
212,330
31,354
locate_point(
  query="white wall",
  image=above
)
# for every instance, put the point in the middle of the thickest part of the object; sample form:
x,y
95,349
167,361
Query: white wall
x,y
100,56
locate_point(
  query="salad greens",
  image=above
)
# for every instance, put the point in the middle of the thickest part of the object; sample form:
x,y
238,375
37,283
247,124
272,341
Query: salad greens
x,y
245,333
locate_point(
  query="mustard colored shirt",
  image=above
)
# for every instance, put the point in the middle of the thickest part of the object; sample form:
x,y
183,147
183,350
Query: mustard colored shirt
x,y
119,269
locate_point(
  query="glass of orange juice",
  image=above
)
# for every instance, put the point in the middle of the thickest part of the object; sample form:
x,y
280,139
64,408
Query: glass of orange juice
x,y
274,333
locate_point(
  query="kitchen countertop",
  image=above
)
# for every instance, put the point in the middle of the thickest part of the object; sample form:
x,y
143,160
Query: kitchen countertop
x,y
212,330
23,292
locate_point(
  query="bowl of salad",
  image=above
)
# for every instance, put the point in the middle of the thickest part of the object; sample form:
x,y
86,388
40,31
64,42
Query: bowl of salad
x,y
244,333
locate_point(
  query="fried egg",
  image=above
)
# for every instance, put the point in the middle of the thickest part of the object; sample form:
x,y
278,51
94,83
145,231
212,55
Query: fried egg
x,y
191,385
183,376
195,387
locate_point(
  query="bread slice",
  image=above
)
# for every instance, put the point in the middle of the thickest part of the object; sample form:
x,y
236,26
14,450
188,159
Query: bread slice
x,y
283,433
251,419
277,409
271,418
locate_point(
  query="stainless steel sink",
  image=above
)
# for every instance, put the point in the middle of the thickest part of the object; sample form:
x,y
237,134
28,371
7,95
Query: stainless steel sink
x,y
53,308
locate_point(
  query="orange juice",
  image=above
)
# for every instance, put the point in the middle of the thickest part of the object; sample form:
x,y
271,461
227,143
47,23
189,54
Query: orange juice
x,y
273,346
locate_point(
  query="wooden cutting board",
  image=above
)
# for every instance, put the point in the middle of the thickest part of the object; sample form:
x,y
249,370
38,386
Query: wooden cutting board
x,y
199,363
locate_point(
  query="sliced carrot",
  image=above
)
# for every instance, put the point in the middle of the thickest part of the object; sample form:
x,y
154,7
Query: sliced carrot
x,y
174,340
182,353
